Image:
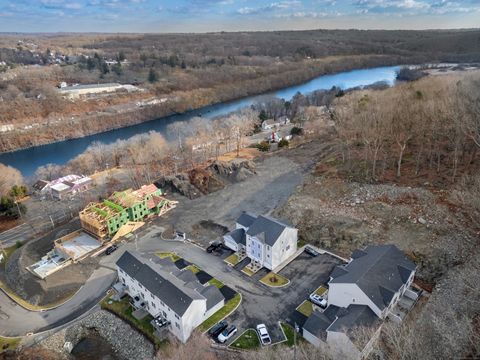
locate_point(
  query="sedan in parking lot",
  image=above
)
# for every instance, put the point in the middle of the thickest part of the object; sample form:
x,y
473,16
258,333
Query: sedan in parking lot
x,y
263,334
214,246
227,333
312,252
217,329
111,249
318,300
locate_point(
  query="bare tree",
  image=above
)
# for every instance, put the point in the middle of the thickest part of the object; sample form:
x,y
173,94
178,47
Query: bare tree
x,y
9,177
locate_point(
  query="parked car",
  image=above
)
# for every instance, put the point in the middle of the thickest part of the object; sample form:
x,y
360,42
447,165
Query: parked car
x,y
312,252
227,333
214,246
318,300
263,334
111,249
218,329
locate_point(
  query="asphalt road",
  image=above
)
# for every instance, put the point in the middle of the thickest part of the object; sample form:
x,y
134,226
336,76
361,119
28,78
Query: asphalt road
x,y
17,321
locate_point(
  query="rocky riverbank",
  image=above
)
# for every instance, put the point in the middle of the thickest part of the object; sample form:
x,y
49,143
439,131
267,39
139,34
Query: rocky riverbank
x,y
126,343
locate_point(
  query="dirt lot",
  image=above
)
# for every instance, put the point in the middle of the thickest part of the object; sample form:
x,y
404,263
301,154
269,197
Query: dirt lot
x,y
341,216
277,176
55,287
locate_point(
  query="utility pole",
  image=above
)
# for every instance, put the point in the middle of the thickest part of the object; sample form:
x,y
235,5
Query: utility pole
x,y
18,207
295,342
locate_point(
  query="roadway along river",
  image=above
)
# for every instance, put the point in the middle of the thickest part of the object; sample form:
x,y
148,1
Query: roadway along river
x,y
28,160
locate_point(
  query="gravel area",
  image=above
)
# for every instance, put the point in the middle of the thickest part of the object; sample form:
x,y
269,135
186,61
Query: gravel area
x,y
126,342
55,287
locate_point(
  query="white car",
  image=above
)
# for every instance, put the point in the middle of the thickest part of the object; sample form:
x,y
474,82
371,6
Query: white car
x,y
318,300
263,334
227,334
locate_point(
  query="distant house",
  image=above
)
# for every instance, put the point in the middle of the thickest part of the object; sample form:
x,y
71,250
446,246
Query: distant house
x,y
66,185
267,241
361,294
168,293
73,92
377,277
269,124
272,124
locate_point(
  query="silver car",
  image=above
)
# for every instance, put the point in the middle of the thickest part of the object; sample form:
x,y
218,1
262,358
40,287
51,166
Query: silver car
x,y
263,334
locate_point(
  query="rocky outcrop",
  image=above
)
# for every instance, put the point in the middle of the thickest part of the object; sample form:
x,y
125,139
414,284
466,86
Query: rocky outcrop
x,y
125,341
200,181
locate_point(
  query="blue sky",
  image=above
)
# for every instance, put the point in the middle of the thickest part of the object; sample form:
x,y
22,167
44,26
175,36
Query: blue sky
x,y
233,15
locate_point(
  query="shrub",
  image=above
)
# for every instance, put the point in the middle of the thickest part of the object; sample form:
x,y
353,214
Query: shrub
x,y
263,146
407,74
283,143
296,131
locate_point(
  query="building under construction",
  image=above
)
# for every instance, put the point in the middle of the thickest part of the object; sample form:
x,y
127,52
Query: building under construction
x,y
104,219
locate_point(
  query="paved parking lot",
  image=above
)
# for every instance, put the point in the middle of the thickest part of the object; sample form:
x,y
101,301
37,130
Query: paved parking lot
x,y
260,303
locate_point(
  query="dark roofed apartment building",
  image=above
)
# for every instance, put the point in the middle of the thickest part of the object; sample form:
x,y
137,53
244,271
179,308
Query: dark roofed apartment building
x,y
267,241
376,277
168,293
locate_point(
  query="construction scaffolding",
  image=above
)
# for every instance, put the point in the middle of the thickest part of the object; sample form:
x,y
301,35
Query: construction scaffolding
x,y
104,219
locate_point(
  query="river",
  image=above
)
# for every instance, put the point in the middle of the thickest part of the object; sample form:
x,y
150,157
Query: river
x,y
28,160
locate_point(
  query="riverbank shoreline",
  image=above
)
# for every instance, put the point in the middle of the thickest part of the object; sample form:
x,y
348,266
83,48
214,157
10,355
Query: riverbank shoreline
x,y
370,62
28,159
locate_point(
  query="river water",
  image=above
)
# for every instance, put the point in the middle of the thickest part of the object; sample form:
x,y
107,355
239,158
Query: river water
x,y
28,160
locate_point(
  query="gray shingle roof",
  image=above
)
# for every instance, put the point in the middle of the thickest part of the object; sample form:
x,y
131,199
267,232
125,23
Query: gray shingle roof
x,y
267,229
380,272
346,320
317,324
213,296
176,293
246,219
238,235
353,316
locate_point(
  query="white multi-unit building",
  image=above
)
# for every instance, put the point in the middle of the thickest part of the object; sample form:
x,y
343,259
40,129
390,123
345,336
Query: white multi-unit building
x,y
267,241
377,277
171,294
361,294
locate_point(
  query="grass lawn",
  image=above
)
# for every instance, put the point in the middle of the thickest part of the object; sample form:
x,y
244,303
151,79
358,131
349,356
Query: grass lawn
x,y
247,271
8,343
301,243
124,310
248,340
193,268
272,279
306,308
321,290
289,333
216,282
232,259
221,314
163,255
7,252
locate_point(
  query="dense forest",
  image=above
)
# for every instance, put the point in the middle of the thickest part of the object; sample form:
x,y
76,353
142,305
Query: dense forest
x,y
190,70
